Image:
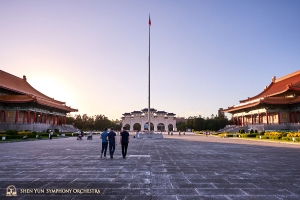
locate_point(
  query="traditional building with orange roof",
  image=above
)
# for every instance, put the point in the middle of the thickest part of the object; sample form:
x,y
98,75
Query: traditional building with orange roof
x,y
24,108
277,107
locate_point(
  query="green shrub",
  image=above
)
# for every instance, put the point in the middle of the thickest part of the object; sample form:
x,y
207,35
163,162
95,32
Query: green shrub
x,y
226,135
251,131
24,133
262,133
275,137
290,139
11,132
34,133
14,137
293,135
255,131
242,131
278,134
248,135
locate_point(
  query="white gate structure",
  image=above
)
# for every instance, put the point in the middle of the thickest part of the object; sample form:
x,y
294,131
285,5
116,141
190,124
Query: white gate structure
x,y
161,120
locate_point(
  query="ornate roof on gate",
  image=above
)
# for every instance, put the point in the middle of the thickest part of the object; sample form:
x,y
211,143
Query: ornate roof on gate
x,y
161,112
136,112
171,114
145,110
26,92
151,110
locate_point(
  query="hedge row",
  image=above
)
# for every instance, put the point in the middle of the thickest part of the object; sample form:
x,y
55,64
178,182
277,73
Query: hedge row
x,y
249,135
18,136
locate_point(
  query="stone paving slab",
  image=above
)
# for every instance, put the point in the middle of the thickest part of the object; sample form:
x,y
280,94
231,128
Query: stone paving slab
x,y
179,168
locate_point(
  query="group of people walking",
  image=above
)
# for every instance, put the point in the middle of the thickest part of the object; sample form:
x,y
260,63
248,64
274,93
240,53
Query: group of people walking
x,y
109,138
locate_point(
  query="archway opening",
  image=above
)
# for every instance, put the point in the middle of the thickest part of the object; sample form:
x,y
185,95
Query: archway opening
x,y
127,127
151,126
161,127
136,127
170,127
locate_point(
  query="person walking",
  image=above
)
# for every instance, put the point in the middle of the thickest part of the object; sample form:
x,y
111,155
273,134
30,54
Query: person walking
x,y
124,140
112,140
104,142
50,134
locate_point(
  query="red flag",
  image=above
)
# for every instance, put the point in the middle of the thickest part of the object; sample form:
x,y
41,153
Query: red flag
x,y
149,21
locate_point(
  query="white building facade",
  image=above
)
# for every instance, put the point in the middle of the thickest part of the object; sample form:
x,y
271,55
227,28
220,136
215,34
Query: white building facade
x,y
160,120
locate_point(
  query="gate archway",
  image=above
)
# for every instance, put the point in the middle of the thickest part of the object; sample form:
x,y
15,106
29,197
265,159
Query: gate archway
x,y
170,127
151,126
127,127
137,126
161,127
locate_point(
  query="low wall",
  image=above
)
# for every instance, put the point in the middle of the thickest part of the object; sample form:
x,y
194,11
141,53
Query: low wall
x,y
36,127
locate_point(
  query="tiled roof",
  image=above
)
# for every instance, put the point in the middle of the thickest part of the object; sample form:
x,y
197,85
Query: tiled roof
x,y
281,85
171,114
29,98
136,112
27,92
151,110
163,112
267,100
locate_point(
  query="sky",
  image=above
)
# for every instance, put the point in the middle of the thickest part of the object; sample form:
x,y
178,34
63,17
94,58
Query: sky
x,y
205,54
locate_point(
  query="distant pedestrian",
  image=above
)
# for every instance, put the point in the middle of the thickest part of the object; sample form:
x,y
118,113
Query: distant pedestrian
x,y
112,140
50,134
104,142
124,140
179,133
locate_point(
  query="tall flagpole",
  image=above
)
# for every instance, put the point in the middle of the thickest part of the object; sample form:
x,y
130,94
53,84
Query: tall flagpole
x,y
149,124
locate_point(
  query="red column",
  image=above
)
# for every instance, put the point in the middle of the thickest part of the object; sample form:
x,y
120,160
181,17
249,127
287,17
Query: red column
x,y
4,117
34,117
232,120
23,117
0,114
258,118
41,117
53,119
252,119
267,115
45,118
28,117
295,116
290,114
16,117
278,115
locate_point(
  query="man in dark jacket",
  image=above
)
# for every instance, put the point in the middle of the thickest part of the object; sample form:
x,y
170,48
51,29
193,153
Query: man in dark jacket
x,y
124,140
112,140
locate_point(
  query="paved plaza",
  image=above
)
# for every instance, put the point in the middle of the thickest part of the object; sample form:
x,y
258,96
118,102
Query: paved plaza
x,y
186,167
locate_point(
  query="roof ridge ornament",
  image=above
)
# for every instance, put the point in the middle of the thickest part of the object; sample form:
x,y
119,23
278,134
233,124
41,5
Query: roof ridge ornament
x,y
273,79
